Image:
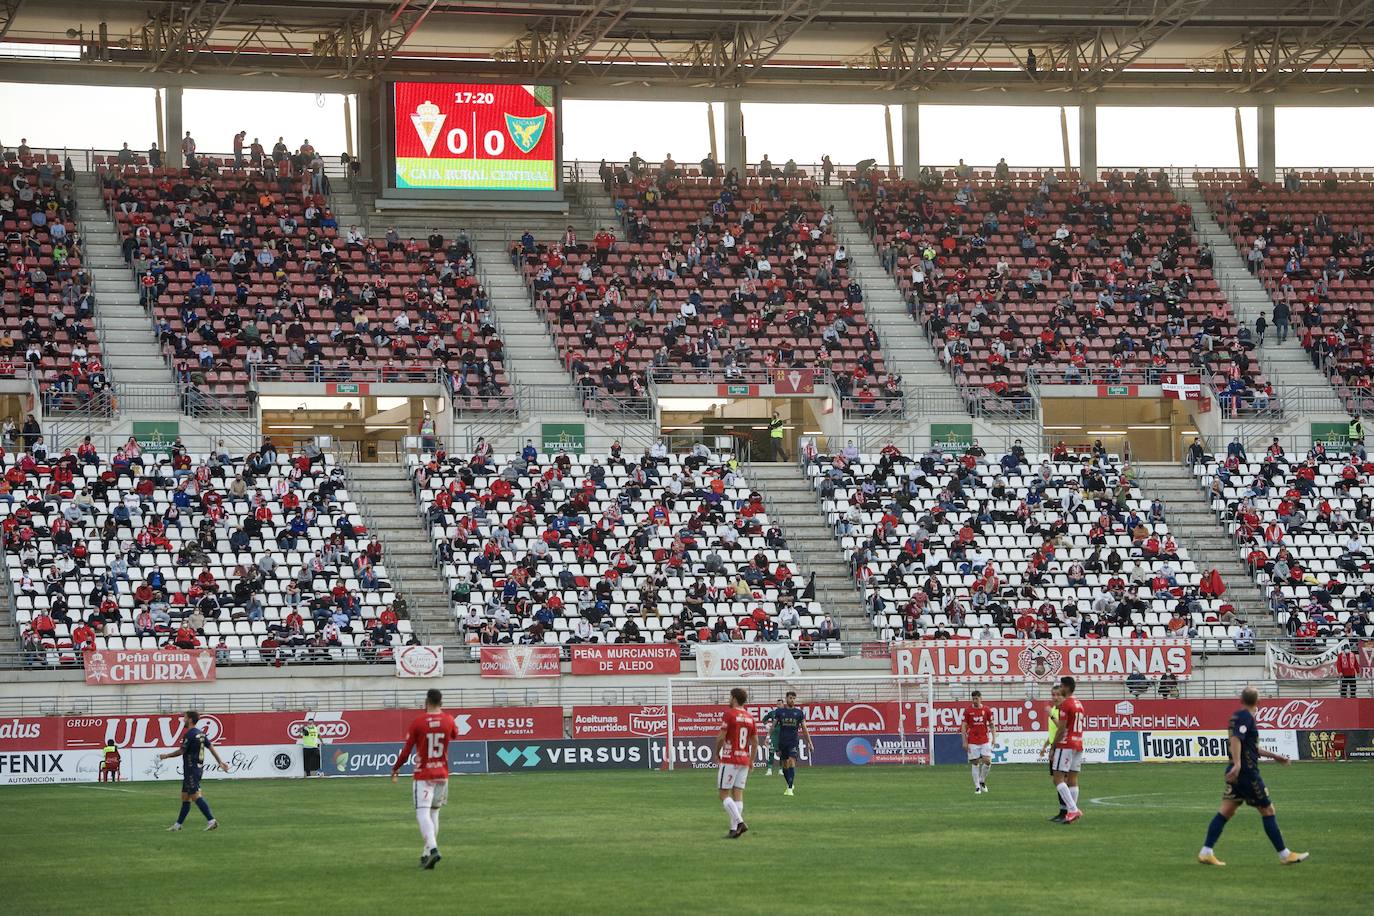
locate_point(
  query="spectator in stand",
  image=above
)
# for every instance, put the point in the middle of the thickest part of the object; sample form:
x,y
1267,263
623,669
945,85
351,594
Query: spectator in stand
x,y
1348,669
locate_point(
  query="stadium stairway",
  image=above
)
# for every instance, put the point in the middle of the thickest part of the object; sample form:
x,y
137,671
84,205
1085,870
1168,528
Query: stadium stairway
x,y
792,506
387,502
1194,525
131,352
905,347
1287,365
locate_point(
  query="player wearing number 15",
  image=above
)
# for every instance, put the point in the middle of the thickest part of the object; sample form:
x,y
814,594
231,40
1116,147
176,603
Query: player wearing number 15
x,y
1067,758
735,747
428,737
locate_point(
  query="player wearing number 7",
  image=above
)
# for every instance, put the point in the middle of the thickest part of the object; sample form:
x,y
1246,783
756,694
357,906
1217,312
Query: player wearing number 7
x,y
428,737
736,746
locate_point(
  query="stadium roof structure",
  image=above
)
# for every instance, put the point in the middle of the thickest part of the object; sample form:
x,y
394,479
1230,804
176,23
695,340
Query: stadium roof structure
x,y
1035,47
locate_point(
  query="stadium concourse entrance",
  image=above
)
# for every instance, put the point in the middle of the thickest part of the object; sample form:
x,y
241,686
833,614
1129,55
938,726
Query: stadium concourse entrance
x,y
358,427
1145,428
742,423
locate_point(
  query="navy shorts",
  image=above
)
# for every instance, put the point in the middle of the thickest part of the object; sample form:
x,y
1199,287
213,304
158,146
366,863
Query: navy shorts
x,y
1250,791
190,780
787,750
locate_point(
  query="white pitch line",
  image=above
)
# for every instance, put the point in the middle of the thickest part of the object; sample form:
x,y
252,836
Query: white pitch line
x,y
81,785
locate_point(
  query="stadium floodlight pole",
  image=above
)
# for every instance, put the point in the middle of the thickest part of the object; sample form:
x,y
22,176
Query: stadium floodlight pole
x,y
868,688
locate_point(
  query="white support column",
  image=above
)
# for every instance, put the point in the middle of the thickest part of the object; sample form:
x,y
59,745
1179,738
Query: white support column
x,y
911,140
734,135
1267,171
1087,140
172,154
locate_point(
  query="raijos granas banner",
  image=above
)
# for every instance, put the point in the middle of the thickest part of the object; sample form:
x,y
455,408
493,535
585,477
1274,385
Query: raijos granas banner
x,y
1036,660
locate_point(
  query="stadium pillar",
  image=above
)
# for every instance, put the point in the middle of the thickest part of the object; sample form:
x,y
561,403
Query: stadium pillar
x,y
734,135
911,140
369,136
172,153
1266,142
1087,140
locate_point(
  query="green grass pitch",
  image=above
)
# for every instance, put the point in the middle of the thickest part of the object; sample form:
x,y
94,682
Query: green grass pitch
x,y
882,840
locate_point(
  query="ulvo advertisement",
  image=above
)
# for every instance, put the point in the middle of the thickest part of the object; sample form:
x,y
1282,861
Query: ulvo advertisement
x,y
475,137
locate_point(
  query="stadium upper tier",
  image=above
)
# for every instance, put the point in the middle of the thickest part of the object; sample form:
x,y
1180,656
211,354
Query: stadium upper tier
x,y
247,271
1015,276
1308,242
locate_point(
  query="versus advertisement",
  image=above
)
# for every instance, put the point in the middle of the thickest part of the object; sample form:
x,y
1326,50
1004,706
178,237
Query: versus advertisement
x,y
464,758
475,137
567,754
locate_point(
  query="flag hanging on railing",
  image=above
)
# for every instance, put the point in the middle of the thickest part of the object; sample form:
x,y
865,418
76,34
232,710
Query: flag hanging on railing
x,y
1180,386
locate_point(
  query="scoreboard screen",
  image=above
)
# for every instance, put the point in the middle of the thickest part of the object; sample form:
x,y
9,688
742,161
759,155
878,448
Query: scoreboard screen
x,y
474,137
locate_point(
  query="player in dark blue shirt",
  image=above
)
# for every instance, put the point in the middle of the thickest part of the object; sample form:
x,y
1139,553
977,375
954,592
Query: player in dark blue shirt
x,y
791,722
194,744
1245,786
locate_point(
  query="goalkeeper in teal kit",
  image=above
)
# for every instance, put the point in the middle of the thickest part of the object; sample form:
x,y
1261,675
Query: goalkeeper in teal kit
x,y
789,726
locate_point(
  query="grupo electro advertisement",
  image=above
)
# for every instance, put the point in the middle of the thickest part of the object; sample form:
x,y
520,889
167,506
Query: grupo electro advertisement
x,y
474,137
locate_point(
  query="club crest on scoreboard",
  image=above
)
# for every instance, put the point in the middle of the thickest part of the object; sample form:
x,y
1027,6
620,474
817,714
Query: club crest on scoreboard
x,y
525,132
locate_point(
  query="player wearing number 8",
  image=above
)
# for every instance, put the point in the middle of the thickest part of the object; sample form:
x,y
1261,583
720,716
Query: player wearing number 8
x,y
735,748
428,736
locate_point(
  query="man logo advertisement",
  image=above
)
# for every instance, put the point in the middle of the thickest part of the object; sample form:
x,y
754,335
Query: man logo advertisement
x,y
568,754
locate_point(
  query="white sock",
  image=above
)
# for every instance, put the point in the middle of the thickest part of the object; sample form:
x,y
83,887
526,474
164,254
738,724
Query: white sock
x,y
1205,851
1284,854
977,780
732,810
434,816
739,806
426,827
1074,791
983,772
1066,796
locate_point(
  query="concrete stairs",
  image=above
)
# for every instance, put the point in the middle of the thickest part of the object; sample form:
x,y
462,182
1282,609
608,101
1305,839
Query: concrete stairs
x,y
1195,527
792,506
905,348
1287,365
131,352
384,495
528,345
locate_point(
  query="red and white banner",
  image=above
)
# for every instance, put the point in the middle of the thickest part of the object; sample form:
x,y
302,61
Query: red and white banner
x,y
519,661
626,658
419,661
1181,386
1033,660
1303,666
794,381
365,726
746,660
149,666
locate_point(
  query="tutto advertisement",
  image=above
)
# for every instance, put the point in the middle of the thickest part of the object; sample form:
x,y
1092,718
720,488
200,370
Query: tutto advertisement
x,y
629,658
475,137
1036,660
567,754
464,758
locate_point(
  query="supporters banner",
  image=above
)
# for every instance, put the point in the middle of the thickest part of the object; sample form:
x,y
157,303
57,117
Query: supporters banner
x,y
520,661
625,658
1301,666
475,136
366,726
464,758
822,718
1180,386
746,660
419,661
567,754
149,666
1036,660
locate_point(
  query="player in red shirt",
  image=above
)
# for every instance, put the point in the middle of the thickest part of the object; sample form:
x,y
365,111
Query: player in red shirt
x,y
428,737
1067,758
979,734
736,746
